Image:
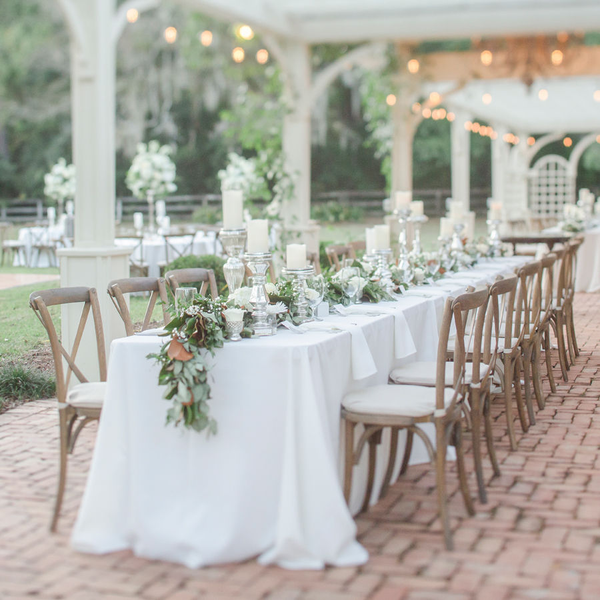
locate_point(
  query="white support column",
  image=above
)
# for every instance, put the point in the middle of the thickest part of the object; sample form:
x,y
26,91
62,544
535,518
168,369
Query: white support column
x,y
297,140
404,128
461,160
499,164
94,260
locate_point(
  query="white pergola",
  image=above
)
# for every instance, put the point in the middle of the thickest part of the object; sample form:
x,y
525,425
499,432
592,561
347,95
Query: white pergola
x,y
289,27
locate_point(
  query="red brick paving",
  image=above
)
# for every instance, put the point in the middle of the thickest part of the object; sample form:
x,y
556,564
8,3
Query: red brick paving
x,y
537,538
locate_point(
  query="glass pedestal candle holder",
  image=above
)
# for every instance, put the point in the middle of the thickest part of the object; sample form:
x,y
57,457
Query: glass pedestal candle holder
x,y
383,270
403,219
456,245
298,278
494,240
234,242
259,264
417,222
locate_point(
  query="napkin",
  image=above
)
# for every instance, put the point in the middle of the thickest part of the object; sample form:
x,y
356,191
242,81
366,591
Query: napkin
x,y
363,365
404,344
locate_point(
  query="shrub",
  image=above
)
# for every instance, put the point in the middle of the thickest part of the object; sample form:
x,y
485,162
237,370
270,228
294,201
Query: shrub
x,y
206,261
207,215
334,212
18,382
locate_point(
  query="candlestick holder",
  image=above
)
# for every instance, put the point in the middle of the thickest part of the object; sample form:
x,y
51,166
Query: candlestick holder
x,y
444,251
417,222
233,241
456,245
403,219
299,277
259,264
383,270
494,236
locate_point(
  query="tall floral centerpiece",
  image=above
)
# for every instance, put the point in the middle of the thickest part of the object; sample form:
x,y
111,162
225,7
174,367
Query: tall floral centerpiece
x,y
59,183
241,174
152,175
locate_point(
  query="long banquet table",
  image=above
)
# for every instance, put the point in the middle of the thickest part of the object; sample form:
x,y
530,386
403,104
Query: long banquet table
x,y
268,483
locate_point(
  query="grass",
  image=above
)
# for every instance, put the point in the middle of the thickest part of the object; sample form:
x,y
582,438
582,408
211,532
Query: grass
x,y
18,383
29,271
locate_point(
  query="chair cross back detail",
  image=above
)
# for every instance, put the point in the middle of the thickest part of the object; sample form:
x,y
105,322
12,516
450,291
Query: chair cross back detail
x,y
335,251
40,302
186,249
207,278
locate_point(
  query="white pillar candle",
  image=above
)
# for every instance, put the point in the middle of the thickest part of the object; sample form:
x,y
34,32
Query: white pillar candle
x,y
258,236
495,212
382,237
417,208
403,200
138,220
370,239
296,256
161,208
233,209
446,227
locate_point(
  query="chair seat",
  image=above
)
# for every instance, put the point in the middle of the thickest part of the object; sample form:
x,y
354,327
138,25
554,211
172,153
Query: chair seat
x,y
87,395
424,373
395,400
13,244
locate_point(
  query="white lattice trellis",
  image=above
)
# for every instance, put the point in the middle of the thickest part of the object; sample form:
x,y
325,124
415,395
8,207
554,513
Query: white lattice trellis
x,y
551,186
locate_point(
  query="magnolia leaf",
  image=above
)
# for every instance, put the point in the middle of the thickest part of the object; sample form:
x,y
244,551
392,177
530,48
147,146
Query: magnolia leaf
x,y
178,352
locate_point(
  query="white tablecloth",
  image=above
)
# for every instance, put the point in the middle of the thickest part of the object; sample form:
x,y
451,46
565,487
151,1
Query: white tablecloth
x,y
587,278
154,250
37,235
268,483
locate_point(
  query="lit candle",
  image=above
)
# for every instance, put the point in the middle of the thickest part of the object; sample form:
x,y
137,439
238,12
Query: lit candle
x,y
370,239
382,237
296,256
233,209
258,236
495,211
446,227
403,200
417,208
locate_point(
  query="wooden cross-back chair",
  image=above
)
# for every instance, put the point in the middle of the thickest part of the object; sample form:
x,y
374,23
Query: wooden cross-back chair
x,y
574,246
42,245
314,259
138,267
175,250
202,278
337,253
81,402
402,406
155,286
358,246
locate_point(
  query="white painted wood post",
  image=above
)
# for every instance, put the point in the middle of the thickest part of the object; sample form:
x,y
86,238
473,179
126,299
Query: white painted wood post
x,y
461,159
404,126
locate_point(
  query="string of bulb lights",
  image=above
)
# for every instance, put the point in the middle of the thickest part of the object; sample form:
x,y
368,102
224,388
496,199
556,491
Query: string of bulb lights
x,y
238,54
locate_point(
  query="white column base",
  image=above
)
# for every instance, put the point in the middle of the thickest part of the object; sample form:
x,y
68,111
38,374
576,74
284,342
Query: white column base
x,y
92,267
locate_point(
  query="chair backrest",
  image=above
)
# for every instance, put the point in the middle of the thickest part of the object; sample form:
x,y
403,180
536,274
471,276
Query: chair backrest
x,y
458,311
574,246
314,260
136,257
40,302
527,311
358,246
547,285
500,311
204,277
157,288
177,246
337,251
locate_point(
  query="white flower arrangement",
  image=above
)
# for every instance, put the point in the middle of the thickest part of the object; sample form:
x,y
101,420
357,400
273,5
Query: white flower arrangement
x,y
277,308
59,183
241,297
574,218
152,171
241,174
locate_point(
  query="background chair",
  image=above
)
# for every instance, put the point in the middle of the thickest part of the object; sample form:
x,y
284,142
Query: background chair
x,y
82,401
337,253
201,278
155,286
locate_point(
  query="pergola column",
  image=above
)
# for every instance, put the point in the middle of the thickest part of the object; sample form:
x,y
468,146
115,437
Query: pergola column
x,y
499,164
461,160
93,260
404,127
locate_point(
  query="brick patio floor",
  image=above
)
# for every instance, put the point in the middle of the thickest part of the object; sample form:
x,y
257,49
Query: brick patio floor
x,y
538,536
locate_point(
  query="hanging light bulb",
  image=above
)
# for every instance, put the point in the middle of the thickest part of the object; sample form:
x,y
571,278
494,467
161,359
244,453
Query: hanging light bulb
x,y
486,98
543,94
206,38
597,95
245,32
530,140
416,107
598,138
568,142
170,35
390,100
562,36
468,125
475,128
426,113
238,54
435,98
413,66
262,56
486,58
450,116
132,15
557,57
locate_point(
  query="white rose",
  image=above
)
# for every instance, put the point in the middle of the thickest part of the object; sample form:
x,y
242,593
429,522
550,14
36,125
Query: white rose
x,y
311,295
271,288
241,296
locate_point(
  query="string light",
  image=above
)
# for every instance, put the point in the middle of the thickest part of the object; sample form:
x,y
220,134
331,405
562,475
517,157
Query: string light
x,y
597,95
507,137
568,142
435,98
530,140
413,66
206,38
468,125
426,113
598,138
442,113
486,98
416,107
238,54
494,135
475,128
450,116
543,94
486,58
556,57
170,35
132,15
516,139
245,32
262,56
562,36
390,100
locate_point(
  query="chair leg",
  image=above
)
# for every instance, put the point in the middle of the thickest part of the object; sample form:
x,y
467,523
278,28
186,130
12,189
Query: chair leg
x,y
407,451
527,370
548,357
573,349
460,466
536,372
489,435
475,400
348,458
518,366
374,441
62,473
508,407
573,333
440,480
391,463
560,341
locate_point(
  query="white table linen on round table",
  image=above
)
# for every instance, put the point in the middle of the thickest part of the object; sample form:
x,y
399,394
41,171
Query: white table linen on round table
x,y
154,249
587,274
268,483
37,235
